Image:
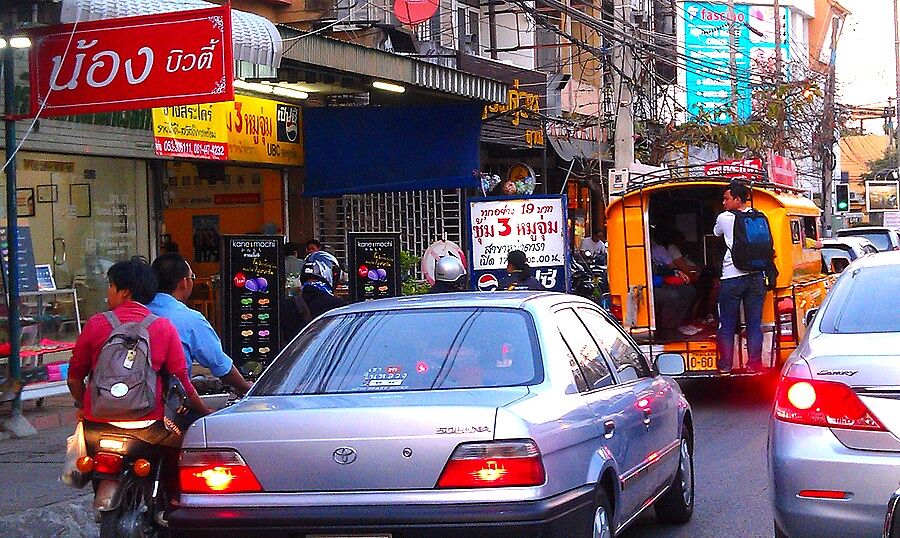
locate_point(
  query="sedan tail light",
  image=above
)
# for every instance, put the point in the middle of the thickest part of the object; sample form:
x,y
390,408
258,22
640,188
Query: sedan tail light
x,y
493,464
215,471
822,403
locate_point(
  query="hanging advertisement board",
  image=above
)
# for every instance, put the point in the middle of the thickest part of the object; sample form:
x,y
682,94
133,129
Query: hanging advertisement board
x,y
249,129
882,196
166,59
252,289
374,264
536,225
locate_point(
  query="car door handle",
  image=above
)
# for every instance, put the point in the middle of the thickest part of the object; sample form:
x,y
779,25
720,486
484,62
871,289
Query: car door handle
x,y
647,413
609,428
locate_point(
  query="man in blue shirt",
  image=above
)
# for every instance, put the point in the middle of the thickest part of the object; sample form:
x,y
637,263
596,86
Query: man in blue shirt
x,y
199,339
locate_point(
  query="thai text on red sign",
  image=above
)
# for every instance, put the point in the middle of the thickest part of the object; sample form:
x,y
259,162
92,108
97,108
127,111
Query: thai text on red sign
x,y
782,170
735,169
148,61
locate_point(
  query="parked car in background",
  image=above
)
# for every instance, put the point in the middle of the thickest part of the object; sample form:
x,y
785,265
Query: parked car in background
x,y
851,247
469,414
883,238
834,437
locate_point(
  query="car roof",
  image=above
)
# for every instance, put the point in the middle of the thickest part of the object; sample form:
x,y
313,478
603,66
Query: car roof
x,y
851,240
865,229
881,259
501,299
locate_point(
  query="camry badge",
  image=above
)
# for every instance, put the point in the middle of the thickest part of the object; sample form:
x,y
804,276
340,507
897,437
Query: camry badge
x,y
848,373
344,455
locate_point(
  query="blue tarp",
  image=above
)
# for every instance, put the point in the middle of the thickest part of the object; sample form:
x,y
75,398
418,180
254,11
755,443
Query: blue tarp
x,y
384,149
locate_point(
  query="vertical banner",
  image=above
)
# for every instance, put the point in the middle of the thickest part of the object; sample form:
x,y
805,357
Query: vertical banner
x,y
374,265
252,289
23,255
536,225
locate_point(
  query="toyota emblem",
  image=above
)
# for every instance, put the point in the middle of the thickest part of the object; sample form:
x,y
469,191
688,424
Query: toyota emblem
x,y
344,455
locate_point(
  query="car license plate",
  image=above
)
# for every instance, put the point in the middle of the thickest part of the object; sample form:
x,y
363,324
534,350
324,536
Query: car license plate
x,y
702,361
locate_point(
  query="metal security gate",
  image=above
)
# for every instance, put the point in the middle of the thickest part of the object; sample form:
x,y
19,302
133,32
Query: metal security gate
x,y
421,218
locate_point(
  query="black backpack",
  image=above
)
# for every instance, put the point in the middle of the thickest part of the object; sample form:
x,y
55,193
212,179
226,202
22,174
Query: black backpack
x,y
753,248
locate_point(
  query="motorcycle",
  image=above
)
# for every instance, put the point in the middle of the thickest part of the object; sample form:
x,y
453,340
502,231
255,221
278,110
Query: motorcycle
x,y
132,465
589,276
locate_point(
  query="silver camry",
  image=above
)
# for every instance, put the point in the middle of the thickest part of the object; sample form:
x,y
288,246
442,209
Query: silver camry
x,y
834,440
463,414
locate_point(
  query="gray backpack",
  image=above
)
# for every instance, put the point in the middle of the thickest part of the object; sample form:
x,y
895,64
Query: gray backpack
x,y
124,381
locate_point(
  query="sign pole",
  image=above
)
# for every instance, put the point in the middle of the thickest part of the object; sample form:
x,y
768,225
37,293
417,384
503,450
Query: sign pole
x,y
16,424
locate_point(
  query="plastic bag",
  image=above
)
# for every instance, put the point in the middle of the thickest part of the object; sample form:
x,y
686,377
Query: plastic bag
x,y
75,448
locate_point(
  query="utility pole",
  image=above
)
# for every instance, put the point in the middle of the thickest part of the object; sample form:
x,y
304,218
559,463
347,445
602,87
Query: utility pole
x,y
897,76
778,73
17,424
623,64
732,60
828,163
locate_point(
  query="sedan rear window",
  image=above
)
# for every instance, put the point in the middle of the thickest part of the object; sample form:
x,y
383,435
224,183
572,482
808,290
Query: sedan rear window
x,y
410,350
881,240
864,302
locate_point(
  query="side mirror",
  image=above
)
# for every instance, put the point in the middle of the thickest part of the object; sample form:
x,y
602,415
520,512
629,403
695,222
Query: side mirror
x,y
838,264
809,316
670,364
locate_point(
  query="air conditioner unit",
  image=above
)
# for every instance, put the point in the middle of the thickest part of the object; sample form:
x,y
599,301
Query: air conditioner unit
x,y
856,198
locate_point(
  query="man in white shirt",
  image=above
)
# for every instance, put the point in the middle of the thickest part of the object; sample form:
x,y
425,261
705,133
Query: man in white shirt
x,y
737,287
594,243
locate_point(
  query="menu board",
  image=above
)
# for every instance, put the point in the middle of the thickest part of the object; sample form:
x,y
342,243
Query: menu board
x,y
25,256
252,288
535,225
374,265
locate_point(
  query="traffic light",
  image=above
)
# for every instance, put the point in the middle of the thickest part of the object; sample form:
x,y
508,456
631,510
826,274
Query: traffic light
x,y
842,197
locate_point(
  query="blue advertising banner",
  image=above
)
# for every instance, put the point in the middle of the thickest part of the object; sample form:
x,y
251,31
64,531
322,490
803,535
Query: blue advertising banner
x,y
706,44
536,225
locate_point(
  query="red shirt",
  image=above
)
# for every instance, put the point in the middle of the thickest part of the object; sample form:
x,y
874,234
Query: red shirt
x,y
165,351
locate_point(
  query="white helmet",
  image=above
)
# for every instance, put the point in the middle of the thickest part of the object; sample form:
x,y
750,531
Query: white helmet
x,y
449,269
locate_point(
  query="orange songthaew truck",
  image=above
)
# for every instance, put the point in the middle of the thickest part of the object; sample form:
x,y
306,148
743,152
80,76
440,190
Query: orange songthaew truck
x,y
687,206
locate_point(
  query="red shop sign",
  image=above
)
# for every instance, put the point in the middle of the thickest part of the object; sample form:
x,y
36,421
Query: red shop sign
x,y
735,169
148,61
782,169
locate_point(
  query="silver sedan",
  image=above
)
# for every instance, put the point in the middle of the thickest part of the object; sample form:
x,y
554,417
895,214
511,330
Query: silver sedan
x,y
457,414
834,440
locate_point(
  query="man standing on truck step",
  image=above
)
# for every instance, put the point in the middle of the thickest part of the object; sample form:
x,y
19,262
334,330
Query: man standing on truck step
x,y
740,283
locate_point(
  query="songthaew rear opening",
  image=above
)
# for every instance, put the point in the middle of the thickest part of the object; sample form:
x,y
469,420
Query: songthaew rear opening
x,y
685,261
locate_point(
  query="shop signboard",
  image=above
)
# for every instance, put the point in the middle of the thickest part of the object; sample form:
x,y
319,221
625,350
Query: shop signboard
x,y
781,169
249,129
252,289
735,168
535,225
882,196
891,219
165,59
374,265
707,79
24,255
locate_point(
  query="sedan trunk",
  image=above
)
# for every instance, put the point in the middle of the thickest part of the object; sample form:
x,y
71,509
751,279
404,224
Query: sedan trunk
x,y
356,442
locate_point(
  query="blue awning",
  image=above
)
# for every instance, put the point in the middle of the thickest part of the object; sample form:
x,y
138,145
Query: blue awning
x,y
387,149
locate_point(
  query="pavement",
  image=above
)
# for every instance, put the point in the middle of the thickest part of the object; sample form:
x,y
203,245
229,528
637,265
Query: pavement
x,y
732,497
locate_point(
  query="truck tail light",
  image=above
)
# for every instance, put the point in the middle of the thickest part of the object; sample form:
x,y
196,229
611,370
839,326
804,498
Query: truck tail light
x,y
822,403
215,471
493,464
615,307
784,312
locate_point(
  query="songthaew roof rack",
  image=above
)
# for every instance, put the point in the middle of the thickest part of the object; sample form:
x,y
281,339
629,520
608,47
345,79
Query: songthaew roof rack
x,y
752,176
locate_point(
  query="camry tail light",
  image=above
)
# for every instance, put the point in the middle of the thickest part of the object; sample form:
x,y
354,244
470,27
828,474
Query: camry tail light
x,y
215,471
785,313
493,464
822,403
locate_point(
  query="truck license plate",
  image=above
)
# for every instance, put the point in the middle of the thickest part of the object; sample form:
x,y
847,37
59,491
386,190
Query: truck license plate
x,y
702,361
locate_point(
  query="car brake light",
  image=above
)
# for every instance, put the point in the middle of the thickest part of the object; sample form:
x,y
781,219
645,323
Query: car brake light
x,y
215,471
493,464
785,312
106,463
615,307
822,403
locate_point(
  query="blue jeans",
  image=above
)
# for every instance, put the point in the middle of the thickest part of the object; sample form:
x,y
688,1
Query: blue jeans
x,y
751,290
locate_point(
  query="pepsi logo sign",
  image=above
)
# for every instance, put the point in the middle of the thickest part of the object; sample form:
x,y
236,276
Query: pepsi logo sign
x,y
488,282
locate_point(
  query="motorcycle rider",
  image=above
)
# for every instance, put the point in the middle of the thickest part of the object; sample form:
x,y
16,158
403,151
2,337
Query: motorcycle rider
x,y
521,276
319,273
449,275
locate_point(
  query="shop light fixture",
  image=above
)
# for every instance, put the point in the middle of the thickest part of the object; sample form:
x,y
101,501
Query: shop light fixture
x,y
388,87
252,86
17,42
289,92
